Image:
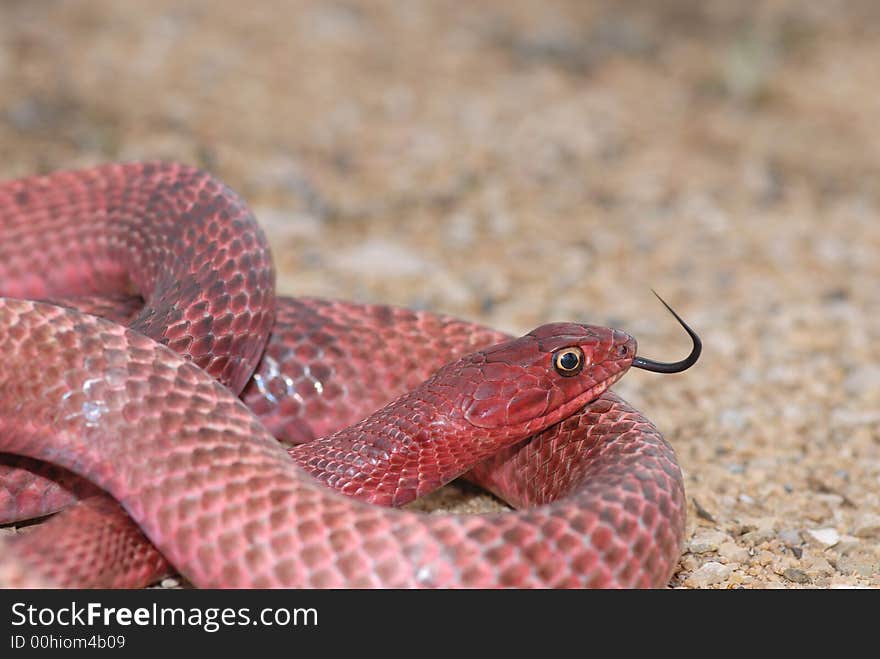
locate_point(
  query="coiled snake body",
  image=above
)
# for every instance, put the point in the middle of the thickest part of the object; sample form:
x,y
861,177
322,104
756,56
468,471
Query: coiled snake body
x,y
142,408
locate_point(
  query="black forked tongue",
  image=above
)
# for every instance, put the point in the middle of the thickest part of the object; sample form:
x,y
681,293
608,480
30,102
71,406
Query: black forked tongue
x,y
672,367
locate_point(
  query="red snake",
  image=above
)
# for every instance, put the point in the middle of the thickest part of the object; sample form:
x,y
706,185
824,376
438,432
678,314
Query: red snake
x,y
380,403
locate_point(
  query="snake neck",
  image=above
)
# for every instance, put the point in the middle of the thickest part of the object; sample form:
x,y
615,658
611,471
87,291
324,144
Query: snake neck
x,y
410,447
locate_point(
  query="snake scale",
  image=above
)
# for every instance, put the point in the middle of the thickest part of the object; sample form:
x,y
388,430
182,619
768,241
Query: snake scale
x,y
150,371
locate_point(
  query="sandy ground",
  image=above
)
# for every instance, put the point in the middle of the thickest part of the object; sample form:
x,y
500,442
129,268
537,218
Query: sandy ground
x,y
519,162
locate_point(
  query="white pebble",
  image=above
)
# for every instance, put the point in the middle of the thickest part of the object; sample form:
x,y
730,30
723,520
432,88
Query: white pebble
x,y
791,537
868,526
733,553
849,543
708,574
706,540
825,537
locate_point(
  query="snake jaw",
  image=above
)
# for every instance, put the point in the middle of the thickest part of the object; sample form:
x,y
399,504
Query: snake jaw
x,y
557,414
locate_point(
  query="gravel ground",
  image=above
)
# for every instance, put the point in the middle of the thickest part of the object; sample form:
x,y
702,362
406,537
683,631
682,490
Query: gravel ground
x,y
520,162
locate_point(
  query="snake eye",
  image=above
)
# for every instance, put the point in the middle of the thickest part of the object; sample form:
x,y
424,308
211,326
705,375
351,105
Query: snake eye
x,y
569,361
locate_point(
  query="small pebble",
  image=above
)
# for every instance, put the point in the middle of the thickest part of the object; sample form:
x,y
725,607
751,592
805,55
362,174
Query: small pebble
x,y
702,512
706,540
762,530
858,565
796,575
733,553
170,582
791,537
817,565
708,574
868,526
849,543
764,557
824,537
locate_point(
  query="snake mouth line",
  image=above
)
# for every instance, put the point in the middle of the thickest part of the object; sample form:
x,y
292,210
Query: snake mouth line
x,y
580,401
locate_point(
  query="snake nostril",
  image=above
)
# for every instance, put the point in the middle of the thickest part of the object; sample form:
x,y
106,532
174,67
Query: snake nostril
x,y
623,350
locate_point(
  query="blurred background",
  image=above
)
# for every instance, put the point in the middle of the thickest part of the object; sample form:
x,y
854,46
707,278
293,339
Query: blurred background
x,y
515,162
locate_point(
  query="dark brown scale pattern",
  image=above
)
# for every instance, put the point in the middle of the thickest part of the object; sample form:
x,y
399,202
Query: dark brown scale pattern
x,y
237,514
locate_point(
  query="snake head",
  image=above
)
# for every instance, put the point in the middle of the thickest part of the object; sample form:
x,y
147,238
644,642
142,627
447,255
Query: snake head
x,y
530,383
